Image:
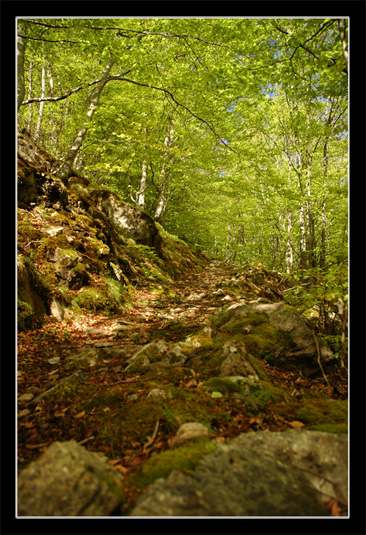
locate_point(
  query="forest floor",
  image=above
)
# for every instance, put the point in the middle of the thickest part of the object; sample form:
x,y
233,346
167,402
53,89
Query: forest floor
x,y
191,300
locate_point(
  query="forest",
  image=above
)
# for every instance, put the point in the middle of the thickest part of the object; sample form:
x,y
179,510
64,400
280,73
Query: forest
x,y
232,133
183,254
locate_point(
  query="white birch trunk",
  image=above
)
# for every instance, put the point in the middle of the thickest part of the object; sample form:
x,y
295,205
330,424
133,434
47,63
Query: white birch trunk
x,y
41,104
65,168
163,197
30,89
20,68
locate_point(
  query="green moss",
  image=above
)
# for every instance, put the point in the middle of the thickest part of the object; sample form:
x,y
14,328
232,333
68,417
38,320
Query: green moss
x,y
97,299
184,459
322,411
25,313
220,384
265,341
253,319
257,397
258,367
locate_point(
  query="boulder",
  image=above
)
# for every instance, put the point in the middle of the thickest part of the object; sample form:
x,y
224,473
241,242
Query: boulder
x,y
68,480
130,219
256,474
277,333
33,295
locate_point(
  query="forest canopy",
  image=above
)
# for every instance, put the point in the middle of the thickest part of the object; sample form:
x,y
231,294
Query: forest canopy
x,y
231,133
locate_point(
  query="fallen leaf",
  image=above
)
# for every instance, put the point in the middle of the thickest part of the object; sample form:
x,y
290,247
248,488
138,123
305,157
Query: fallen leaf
x,y
333,507
296,424
80,415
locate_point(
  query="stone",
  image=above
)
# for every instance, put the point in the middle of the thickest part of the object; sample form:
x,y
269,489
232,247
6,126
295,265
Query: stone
x,y
156,393
130,219
68,480
189,431
33,296
57,310
54,360
298,348
147,355
256,474
235,363
84,357
54,231
72,379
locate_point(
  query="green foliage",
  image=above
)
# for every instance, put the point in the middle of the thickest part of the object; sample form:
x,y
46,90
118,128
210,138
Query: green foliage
x,y
258,166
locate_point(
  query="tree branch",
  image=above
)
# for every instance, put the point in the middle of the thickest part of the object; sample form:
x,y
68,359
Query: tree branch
x,y
167,92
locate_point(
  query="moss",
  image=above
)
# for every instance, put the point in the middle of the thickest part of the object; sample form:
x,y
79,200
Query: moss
x,y
253,319
185,459
317,413
258,367
98,299
223,385
265,341
322,411
25,313
257,397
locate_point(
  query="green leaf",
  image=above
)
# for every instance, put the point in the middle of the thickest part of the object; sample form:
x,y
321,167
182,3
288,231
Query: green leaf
x,y
216,395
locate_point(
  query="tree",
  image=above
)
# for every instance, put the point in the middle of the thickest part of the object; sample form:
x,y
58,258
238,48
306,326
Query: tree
x,y
232,132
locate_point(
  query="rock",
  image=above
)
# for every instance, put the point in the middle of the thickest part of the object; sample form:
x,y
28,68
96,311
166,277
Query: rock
x,y
131,220
147,355
189,431
84,357
321,457
33,295
54,231
156,393
54,360
57,310
235,363
203,337
72,379
68,480
278,333
254,475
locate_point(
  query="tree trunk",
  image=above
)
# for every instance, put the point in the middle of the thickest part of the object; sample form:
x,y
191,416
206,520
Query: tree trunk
x,y
141,193
20,68
164,178
65,168
342,33
41,104
289,246
30,89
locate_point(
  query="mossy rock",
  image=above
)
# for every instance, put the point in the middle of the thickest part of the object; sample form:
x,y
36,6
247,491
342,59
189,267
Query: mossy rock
x,y
317,413
184,458
324,414
98,298
222,385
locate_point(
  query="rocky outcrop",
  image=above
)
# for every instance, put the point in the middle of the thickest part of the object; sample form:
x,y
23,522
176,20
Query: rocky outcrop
x,y
67,480
256,474
33,295
130,219
84,239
